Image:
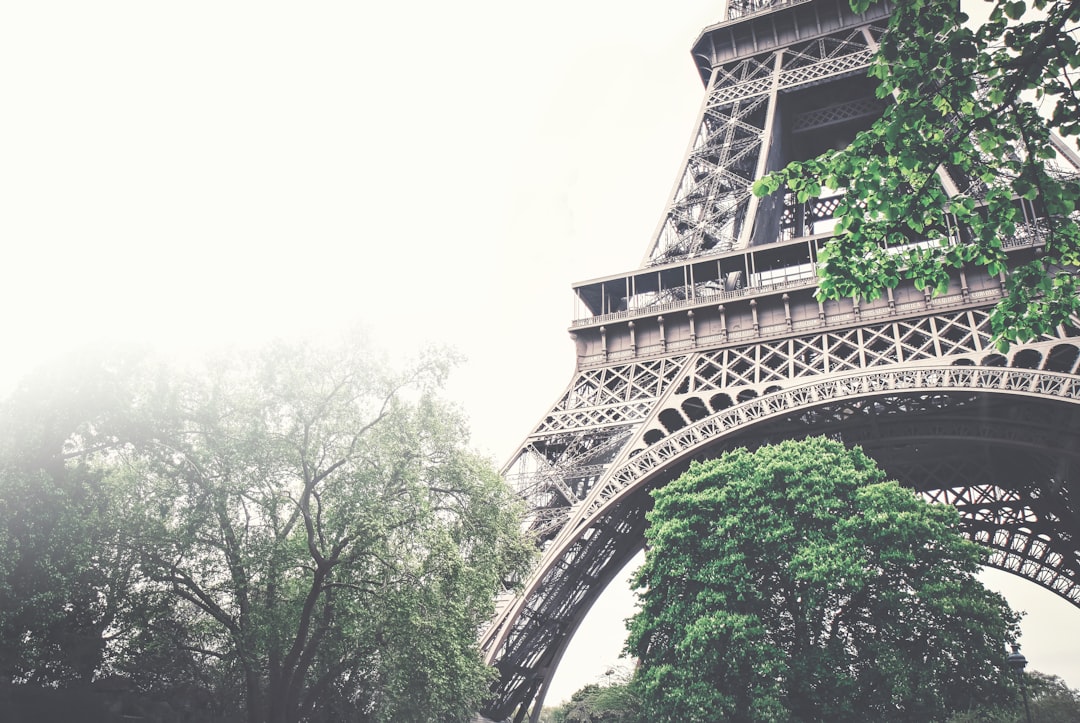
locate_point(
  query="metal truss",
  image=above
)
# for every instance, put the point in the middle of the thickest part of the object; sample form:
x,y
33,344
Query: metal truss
x,y
646,461
699,357
880,385
712,208
741,8
835,114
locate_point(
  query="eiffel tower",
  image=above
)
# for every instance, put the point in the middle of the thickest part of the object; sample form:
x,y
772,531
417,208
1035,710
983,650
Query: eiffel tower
x,y
717,341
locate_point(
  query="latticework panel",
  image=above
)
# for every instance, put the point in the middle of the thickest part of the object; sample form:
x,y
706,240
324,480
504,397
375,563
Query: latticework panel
x,y
585,430
741,8
554,472
931,427
647,460
902,341
706,212
711,208
611,395
826,58
839,113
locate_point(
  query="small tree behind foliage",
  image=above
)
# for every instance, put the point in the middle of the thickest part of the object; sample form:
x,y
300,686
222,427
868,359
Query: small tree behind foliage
x,y
795,584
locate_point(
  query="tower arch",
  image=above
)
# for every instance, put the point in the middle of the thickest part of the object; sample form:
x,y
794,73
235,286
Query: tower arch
x,y
718,341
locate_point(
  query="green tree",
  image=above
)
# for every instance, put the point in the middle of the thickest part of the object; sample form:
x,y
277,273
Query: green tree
x,y
63,580
1050,699
960,159
613,702
795,584
308,536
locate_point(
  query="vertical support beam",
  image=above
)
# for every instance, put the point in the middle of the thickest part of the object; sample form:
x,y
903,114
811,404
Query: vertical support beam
x,y
935,335
658,233
976,340
746,233
899,347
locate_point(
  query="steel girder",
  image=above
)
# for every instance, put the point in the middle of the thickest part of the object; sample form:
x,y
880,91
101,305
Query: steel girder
x,y
928,383
712,208
915,381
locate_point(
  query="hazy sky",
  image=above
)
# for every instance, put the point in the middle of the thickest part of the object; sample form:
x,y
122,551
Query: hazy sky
x,y
201,174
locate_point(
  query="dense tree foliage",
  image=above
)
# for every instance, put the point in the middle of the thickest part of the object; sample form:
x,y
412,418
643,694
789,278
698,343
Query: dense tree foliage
x,y
962,159
1050,701
63,578
615,701
795,584
301,531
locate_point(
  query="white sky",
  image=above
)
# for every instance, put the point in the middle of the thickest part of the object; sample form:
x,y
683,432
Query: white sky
x,y
207,173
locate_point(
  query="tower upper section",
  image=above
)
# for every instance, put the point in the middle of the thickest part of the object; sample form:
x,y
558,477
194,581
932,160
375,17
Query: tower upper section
x,y
784,81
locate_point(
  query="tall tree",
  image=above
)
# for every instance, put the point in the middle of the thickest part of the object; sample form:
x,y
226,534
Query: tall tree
x,y
795,584
320,520
963,159
306,534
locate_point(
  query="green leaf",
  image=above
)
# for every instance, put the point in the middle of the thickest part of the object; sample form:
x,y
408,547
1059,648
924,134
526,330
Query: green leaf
x,y
1014,10
763,186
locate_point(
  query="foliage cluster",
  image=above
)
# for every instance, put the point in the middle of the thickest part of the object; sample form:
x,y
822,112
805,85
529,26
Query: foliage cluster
x,y
298,534
795,584
1050,701
961,161
615,701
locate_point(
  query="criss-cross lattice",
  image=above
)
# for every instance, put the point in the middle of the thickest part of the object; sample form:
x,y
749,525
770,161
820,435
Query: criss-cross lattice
x,y
825,57
709,206
838,113
718,341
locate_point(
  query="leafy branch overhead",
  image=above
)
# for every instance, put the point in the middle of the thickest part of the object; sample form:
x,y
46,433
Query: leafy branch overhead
x,y
962,161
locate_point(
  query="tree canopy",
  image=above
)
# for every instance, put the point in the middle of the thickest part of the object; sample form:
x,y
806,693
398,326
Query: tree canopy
x,y
614,701
795,583
63,577
301,533
962,161
1050,701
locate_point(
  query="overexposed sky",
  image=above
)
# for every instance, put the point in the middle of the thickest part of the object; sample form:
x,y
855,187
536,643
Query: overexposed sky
x,y
202,174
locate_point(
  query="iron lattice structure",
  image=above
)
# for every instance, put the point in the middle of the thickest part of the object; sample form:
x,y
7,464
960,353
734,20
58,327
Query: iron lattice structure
x,y
717,341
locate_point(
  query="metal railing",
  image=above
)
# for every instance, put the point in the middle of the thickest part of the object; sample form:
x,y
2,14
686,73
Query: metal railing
x,y
742,8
